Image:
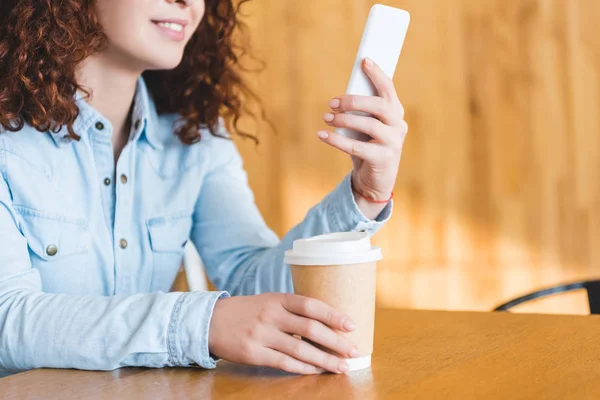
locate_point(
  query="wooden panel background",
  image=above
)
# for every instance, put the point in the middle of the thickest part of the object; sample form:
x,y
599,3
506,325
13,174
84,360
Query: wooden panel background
x,y
498,191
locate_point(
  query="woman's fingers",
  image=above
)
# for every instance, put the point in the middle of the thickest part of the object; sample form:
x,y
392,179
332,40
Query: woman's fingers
x,y
309,354
361,123
321,334
379,107
384,85
279,360
317,310
363,150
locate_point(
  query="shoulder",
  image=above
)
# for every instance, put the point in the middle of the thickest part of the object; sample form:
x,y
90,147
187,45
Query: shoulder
x,y
220,145
29,147
27,137
170,155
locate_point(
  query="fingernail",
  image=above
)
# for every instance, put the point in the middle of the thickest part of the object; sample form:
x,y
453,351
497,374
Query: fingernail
x,y
349,325
343,368
354,353
322,134
334,103
328,117
368,62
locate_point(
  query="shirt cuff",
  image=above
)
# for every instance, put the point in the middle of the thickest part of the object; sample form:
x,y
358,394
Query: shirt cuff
x,y
187,337
345,216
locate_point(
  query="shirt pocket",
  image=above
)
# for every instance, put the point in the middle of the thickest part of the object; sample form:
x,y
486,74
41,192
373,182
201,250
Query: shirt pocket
x,y
59,245
168,236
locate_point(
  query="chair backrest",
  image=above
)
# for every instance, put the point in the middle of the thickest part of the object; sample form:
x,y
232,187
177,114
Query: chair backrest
x,y
194,269
592,287
593,290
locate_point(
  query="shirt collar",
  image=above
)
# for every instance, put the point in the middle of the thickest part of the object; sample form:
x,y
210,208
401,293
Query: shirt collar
x,y
144,115
83,121
144,111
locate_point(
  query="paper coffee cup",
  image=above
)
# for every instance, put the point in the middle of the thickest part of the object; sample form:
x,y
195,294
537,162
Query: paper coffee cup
x,y
340,270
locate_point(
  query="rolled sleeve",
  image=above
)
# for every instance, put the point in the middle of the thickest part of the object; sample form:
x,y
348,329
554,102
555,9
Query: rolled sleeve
x,y
344,214
189,329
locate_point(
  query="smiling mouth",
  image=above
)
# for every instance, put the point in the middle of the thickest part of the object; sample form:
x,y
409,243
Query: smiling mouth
x,y
173,29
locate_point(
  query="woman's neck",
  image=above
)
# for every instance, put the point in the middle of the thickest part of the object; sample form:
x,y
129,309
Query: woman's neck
x,y
113,88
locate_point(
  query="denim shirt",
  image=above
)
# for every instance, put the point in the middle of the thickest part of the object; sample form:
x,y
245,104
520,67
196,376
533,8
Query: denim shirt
x,y
88,251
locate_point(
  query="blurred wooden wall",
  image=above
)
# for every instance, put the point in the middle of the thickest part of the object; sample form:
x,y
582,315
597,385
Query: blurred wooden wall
x,y
501,167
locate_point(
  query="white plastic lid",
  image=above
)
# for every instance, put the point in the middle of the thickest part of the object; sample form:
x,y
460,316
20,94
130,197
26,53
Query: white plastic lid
x,y
333,249
356,364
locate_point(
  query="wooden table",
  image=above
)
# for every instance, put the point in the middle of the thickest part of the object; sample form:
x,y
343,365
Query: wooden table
x,y
418,355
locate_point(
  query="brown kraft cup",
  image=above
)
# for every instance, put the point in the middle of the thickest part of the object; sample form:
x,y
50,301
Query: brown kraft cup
x,y
340,270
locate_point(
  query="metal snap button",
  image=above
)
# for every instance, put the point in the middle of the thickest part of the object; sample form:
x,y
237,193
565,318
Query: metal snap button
x,y
51,250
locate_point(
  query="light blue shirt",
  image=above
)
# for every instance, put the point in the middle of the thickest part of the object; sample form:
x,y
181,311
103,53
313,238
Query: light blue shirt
x,y
88,250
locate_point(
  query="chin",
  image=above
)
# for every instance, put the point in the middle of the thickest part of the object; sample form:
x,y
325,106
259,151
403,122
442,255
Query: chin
x,y
164,62
163,59
166,66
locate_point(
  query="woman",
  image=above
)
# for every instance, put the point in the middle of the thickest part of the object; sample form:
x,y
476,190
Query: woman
x,y
113,154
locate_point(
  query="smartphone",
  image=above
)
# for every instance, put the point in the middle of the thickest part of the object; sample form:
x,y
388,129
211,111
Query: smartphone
x,y
381,41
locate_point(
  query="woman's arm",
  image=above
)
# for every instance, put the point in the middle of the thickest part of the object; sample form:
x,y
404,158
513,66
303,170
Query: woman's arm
x,y
241,254
91,332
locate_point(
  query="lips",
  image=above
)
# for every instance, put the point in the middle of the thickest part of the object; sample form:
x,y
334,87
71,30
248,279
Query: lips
x,y
171,25
173,29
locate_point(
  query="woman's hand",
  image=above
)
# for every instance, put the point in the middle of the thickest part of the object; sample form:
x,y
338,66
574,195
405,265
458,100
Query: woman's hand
x,y
257,330
375,162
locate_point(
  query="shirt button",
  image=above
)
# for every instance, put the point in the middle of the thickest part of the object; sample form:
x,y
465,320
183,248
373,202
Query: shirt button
x,y
123,243
107,181
123,179
99,125
51,250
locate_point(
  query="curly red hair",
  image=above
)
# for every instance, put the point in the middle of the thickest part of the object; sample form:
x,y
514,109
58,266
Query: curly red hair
x,y
43,41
